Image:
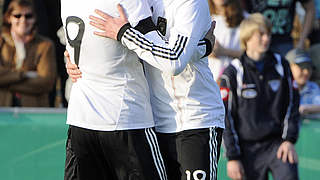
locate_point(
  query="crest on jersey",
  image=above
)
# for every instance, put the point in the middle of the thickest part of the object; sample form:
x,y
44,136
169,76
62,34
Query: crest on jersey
x,y
224,93
274,84
249,93
162,25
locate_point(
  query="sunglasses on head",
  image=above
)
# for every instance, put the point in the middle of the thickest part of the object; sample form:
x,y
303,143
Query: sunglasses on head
x,y
27,16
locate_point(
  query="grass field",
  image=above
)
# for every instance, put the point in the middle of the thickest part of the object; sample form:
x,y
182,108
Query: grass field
x,y
33,146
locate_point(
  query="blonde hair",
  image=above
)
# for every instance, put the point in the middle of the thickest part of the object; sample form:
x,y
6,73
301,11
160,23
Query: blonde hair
x,y
251,24
15,4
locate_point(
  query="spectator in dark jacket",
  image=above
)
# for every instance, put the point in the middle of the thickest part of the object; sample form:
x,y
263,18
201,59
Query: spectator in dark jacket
x,y
262,119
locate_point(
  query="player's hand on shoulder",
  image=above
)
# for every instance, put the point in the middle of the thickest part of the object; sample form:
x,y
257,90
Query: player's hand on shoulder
x,y
109,26
235,170
72,69
287,153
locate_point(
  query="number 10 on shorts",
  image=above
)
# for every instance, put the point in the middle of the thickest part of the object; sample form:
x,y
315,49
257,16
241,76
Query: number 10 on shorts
x,y
196,175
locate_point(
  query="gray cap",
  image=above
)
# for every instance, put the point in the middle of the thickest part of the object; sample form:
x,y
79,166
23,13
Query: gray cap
x,y
299,57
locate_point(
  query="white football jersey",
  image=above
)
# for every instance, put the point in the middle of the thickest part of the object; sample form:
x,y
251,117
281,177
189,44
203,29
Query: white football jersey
x,y
113,93
184,94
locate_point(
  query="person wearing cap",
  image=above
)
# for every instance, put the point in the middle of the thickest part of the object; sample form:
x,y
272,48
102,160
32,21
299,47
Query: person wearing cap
x,y
302,67
262,116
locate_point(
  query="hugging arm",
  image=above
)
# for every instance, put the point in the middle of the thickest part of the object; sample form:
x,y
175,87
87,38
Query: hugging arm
x,y
184,44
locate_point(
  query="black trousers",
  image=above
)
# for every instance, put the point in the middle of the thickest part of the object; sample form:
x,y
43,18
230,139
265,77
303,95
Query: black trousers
x,y
114,155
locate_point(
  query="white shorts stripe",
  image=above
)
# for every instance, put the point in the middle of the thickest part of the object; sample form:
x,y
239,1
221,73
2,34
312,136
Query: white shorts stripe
x,y
158,152
158,161
213,155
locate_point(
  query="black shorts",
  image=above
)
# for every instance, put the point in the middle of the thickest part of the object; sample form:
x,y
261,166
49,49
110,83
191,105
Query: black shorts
x,y
114,155
191,154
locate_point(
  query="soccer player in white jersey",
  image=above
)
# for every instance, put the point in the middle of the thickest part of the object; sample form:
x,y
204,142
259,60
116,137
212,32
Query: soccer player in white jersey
x,y
186,102
110,120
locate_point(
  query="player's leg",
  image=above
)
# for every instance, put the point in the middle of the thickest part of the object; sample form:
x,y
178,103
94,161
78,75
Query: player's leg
x,y
198,153
84,159
168,147
70,170
134,155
